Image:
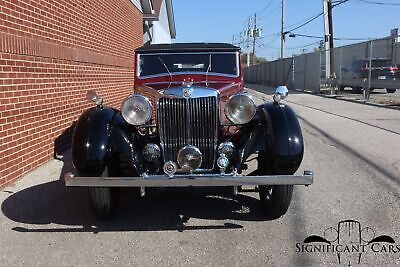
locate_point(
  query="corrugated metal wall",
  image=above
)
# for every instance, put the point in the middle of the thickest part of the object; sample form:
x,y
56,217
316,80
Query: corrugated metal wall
x,y
306,71
301,72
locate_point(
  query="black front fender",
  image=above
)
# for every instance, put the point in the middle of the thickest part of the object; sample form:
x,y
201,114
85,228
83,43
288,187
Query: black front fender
x,y
126,157
91,141
275,134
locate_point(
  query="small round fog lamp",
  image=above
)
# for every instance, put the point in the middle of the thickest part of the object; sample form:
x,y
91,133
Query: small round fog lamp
x,y
151,152
222,162
226,148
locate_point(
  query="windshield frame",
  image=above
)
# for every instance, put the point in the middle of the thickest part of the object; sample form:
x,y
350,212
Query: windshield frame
x,y
236,53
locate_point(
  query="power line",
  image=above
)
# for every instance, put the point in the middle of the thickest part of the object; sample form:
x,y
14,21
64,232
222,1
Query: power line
x,y
316,16
266,7
303,46
302,23
339,2
379,3
303,20
307,22
269,35
272,11
292,34
268,45
291,48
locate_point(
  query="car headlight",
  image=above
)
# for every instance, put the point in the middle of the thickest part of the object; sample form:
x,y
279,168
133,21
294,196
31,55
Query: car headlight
x,y
240,108
137,109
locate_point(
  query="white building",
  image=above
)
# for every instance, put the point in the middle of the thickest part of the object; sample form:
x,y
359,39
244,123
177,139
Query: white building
x,y
158,21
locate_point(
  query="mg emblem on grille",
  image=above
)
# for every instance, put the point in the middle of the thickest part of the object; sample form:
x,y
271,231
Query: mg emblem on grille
x,y
187,92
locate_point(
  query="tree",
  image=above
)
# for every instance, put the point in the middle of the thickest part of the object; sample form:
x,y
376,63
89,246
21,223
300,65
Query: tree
x,y
257,60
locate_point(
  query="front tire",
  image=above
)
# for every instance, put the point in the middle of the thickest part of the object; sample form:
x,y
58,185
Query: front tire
x,y
390,91
276,199
104,200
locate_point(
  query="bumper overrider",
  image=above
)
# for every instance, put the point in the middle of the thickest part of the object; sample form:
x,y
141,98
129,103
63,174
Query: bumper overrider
x,y
189,180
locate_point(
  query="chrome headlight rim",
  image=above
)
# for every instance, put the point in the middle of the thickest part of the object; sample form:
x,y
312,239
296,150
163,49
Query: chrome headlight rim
x,y
146,118
228,113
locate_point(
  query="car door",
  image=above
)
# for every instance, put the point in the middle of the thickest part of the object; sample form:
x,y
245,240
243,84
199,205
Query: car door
x,y
357,69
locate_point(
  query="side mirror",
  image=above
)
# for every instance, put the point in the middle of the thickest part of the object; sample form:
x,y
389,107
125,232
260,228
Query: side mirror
x,y
281,93
92,96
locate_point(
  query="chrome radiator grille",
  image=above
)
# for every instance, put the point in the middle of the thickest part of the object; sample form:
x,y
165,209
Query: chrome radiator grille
x,y
192,121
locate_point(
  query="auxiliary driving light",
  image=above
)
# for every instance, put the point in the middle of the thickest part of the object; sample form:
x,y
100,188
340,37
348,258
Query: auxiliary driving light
x,y
151,152
190,158
222,162
226,148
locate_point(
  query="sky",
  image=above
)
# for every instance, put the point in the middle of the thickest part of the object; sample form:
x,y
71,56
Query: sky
x,y
219,20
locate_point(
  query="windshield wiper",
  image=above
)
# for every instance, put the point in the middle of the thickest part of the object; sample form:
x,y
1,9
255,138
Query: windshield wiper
x,y
208,69
169,73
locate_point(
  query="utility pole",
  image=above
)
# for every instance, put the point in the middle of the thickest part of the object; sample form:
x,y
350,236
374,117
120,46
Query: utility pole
x,y
331,52
248,32
283,30
252,33
233,40
255,35
327,38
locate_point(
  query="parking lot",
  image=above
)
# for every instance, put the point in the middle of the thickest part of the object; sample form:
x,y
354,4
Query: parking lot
x,y
353,149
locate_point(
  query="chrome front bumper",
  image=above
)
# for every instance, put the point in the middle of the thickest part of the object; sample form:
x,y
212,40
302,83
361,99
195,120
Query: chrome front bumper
x,y
189,180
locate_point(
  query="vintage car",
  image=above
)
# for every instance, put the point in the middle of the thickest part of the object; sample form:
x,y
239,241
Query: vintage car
x,y
189,123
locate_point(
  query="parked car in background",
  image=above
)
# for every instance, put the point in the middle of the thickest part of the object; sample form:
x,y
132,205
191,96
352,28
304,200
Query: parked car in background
x,y
384,74
398,72
189,124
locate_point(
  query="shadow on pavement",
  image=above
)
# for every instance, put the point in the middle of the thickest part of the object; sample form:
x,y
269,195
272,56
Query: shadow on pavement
x,y
53,203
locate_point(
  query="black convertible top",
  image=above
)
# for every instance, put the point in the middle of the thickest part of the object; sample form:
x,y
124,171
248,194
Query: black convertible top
x,y
188,47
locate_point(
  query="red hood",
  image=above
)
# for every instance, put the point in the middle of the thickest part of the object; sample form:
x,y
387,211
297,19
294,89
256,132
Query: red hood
x,y
225,85
163,85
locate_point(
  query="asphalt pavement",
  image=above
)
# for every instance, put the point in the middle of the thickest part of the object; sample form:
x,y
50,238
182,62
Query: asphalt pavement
x,y
353,149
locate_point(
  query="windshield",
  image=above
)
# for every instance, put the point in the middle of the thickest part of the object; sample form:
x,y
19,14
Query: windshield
x,y
382,63
181,63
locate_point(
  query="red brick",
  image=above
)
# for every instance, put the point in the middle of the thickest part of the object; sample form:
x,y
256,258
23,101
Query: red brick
x,y
51,53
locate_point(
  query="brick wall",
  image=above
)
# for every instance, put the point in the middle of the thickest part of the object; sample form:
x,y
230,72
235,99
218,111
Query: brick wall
x,y
51,53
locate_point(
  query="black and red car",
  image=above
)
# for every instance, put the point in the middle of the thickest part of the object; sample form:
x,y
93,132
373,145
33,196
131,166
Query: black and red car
x,y
189,123
384,74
